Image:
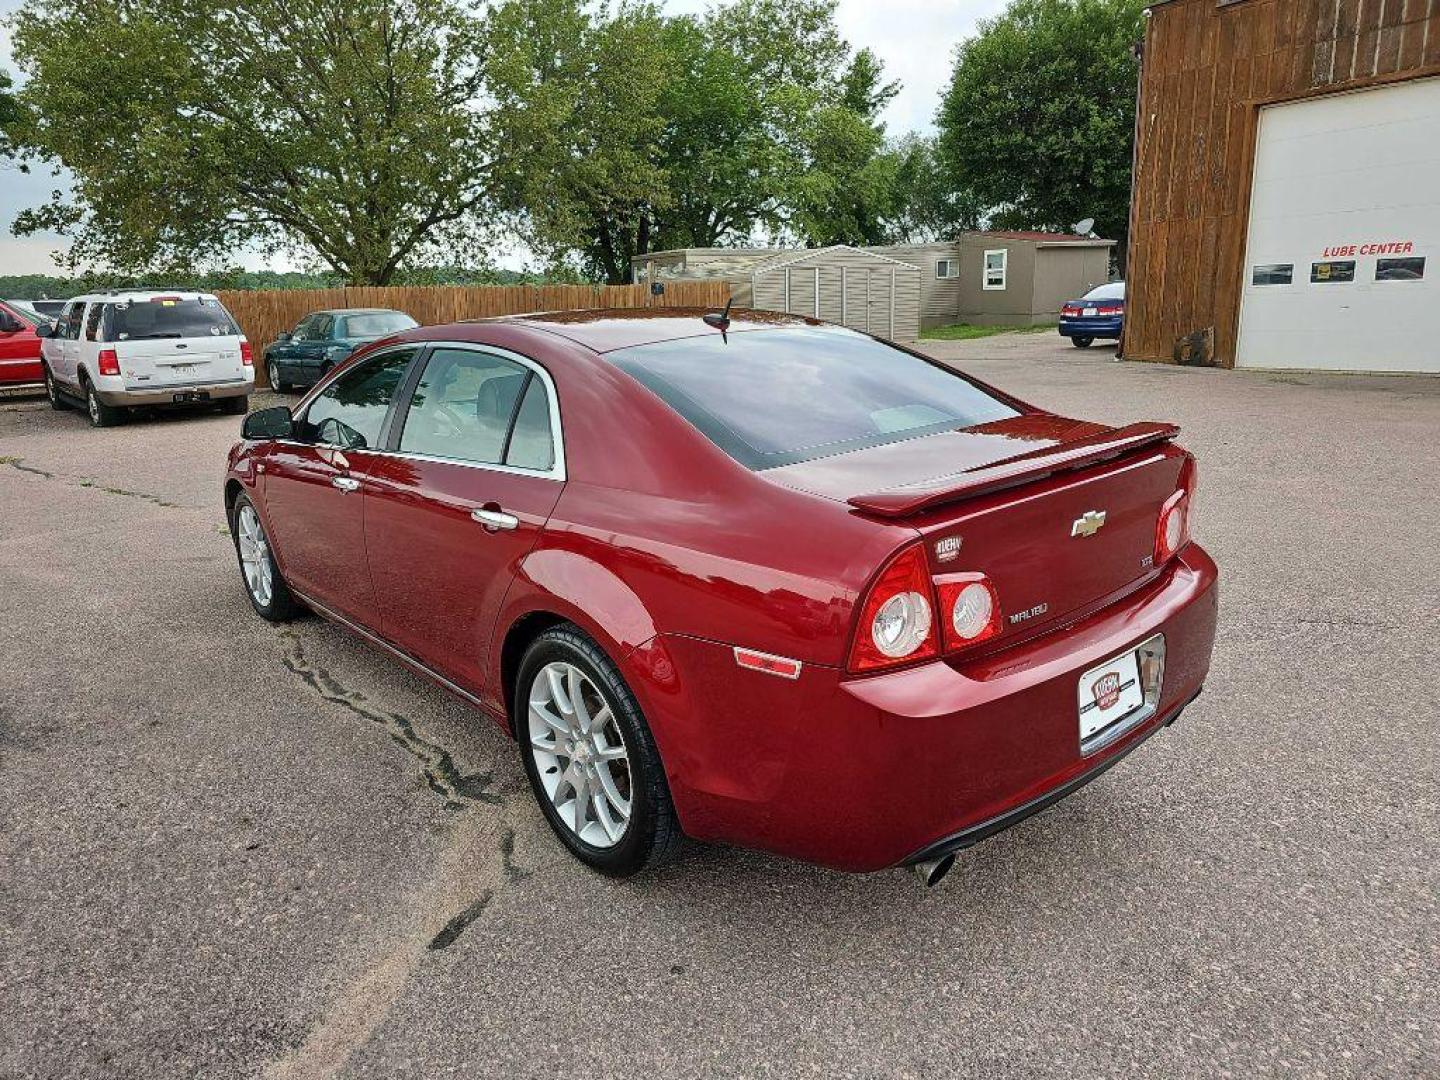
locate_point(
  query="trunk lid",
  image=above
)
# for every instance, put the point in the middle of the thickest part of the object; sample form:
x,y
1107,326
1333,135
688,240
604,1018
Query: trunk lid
x,y
172,362
1021,500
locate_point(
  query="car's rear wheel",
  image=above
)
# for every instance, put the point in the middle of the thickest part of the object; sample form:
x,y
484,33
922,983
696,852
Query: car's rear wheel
x,y
101,415
53,392
1082,342
269,595
590,757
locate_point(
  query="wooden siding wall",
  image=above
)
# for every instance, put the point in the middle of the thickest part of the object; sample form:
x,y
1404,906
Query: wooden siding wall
x,y
263,315
1208,68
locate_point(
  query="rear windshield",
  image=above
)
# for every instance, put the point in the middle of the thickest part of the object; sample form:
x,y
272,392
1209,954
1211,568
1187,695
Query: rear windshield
x,y
776,397
137,320
1114,291
374,324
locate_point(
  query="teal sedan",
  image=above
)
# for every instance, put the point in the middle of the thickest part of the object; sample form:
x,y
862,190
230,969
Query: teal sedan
x,y
325,338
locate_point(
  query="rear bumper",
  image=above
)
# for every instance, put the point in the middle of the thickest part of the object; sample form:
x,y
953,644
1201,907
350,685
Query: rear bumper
x,y
1092,328
209,391
862,774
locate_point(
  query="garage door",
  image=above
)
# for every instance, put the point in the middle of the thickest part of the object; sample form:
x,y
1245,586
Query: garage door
x,y
1342,268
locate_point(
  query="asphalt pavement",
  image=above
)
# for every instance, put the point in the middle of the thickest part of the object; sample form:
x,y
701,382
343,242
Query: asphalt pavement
x,y
229,849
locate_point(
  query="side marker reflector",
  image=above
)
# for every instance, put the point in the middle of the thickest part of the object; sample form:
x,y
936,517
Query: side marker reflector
x,y
770,665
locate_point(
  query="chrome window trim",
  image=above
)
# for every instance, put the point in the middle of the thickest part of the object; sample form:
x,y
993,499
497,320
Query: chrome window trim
x,y
556,472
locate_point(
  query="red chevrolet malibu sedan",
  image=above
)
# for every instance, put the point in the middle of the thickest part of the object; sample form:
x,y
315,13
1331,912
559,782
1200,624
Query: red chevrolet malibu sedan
x,y
754,580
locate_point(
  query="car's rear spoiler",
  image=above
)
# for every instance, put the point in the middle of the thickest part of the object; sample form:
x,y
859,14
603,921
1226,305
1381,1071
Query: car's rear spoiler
x,y
937,491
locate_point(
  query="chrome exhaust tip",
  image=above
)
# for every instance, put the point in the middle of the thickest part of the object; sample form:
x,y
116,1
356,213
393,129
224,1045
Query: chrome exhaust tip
x,y
932,871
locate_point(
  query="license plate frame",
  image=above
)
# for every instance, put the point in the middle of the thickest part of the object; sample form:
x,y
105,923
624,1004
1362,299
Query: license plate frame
x,y
187,397
1112,698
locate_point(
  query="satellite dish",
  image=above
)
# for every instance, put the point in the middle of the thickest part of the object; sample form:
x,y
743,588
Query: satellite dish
x,y
1085,227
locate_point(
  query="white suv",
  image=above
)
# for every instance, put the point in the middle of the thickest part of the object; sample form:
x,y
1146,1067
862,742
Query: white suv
x,y
109,351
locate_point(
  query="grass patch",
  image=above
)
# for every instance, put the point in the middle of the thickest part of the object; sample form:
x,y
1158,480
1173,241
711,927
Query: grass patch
x,y
968,332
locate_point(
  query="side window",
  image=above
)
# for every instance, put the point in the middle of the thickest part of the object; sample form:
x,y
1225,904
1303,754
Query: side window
x,y
463,406
302,328
532,446
92,324
351,410
74,317
323,326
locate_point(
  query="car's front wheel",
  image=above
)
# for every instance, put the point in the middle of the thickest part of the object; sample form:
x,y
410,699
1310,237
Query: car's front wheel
x,y
590,757
269,595
1082,342
272,376
52,391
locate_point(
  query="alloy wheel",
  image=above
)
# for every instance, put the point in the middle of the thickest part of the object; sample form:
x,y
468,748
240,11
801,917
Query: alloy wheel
x,y
255,555
272,376
580,754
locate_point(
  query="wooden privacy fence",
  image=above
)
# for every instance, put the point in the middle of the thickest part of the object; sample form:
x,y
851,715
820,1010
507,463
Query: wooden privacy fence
x,y
264,314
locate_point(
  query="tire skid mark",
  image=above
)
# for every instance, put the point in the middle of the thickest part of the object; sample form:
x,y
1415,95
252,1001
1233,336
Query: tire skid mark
x,y
436,765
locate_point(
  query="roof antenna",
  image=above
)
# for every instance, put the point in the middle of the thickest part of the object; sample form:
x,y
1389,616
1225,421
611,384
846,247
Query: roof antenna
x,y
721,320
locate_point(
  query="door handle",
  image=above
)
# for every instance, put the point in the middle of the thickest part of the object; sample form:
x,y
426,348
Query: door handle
x,y
494,520
345,483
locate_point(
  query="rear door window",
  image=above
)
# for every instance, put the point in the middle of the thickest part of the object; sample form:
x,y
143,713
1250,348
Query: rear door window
x,y
92,324
374,324
776,397
169,317
463,406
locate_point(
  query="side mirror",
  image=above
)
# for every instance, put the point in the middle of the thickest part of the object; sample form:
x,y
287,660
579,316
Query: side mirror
x,y
284,335
276,423
45,330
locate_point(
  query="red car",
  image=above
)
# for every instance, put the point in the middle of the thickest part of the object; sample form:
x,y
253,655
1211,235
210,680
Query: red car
x,y
19,347
758,581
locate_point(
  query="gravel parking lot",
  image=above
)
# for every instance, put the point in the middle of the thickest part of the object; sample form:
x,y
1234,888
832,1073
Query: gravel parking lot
x,y
229,849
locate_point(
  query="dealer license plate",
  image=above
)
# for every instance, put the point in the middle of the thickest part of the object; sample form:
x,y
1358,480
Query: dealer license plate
x,y
1088,312
1108,694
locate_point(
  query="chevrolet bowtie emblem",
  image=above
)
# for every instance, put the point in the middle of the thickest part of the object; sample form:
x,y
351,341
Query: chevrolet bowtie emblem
x,y
1088,524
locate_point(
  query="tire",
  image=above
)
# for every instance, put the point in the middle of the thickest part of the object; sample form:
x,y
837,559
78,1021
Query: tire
x,y
272,376
650,832
53,392
1082,342
101,415
235,406
277,604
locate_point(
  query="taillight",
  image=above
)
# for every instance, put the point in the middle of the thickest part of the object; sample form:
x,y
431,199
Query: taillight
x,y
897,624
109,362
1172,529
1070,309
969,609
247,354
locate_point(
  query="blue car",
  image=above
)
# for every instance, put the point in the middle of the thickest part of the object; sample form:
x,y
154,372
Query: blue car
x,y
324,338
1100,313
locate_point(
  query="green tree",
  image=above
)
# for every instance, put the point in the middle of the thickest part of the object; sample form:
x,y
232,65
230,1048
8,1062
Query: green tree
x,y
11,115
193,130
1038,121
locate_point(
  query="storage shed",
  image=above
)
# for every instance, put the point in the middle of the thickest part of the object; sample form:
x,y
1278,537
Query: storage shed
x,y
861,289
1003,278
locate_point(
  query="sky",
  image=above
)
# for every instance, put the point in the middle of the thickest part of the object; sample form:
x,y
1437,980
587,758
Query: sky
x,y
914,38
